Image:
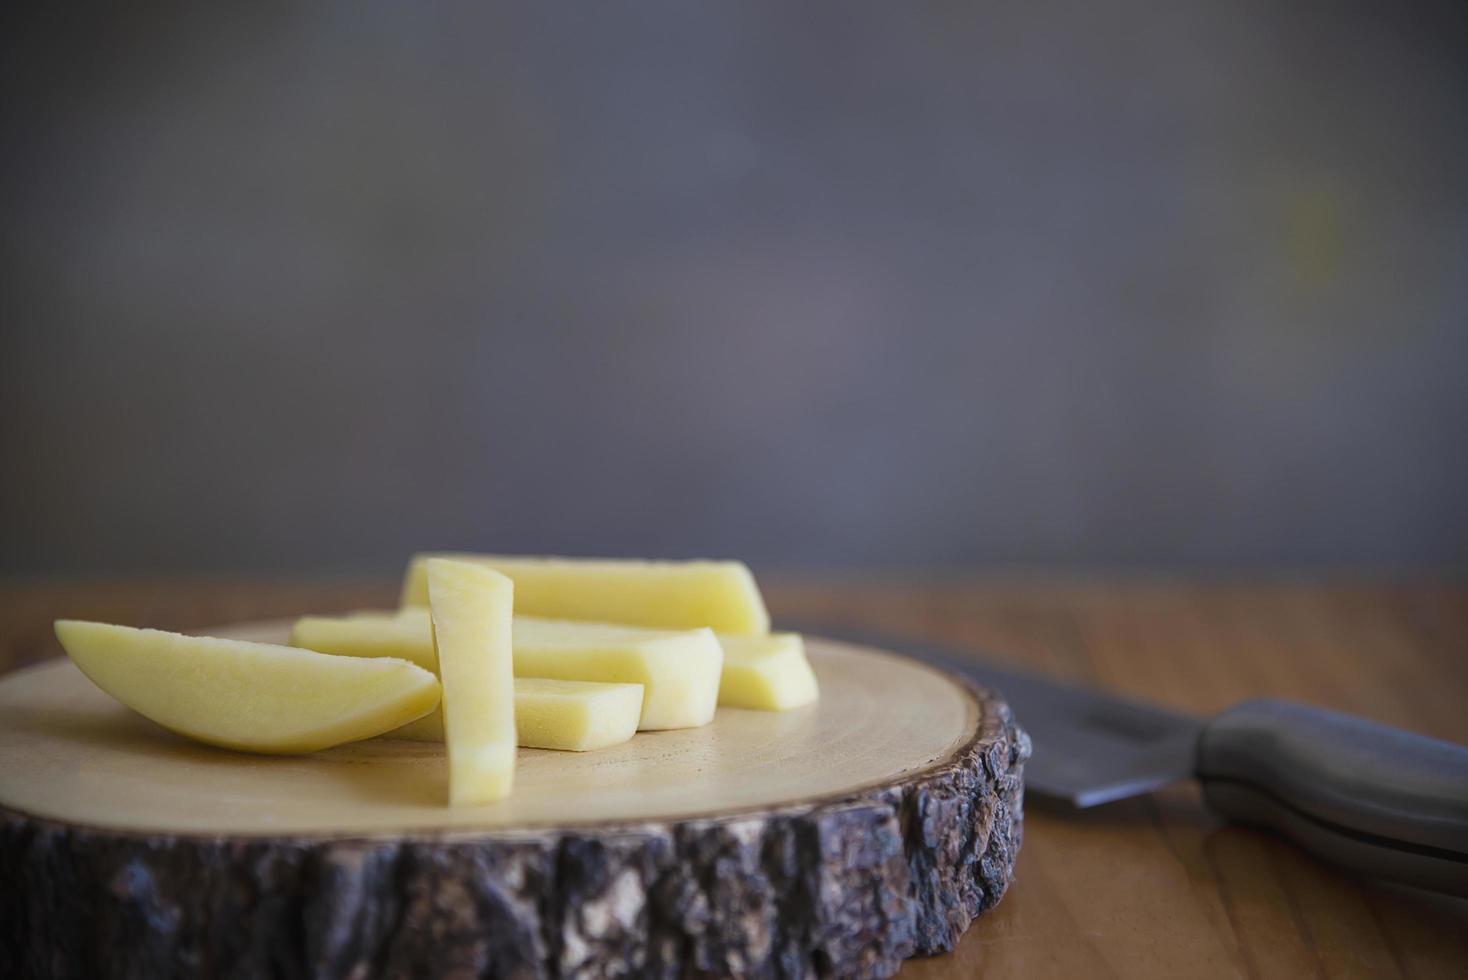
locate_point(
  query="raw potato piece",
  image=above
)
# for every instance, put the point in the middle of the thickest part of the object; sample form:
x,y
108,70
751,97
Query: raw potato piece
x,y
256,697
769,673
577,716
406,634
472,608
679,671
721,595
574,716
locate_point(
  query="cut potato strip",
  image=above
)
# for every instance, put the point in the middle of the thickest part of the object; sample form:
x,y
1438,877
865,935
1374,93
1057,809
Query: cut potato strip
x,y
679,670
407,635
573,716
770,673
577,716
472,608
256,697
721,595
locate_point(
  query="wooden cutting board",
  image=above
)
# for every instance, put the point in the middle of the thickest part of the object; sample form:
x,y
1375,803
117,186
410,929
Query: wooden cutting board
x,y
836,839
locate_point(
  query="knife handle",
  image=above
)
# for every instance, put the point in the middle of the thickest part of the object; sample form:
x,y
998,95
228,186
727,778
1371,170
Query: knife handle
x,y
1375,799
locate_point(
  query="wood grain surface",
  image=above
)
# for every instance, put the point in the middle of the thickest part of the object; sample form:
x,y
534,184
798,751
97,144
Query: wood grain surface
x,y
1154,887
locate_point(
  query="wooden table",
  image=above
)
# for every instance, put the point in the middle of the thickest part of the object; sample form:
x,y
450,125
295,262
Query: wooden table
x,y
1148,887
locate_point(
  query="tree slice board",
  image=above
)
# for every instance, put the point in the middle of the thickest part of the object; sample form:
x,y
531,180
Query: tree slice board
x,y
833,840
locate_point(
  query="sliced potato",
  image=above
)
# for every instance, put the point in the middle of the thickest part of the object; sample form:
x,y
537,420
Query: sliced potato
x,y
770,673
574,716
256,697
471,608
678,669
721,595
407,635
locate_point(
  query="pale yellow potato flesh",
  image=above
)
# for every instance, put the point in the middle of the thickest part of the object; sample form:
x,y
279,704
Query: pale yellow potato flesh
x,y
255,697
472,608
407,634
769,673
572,716
680,595
575,716
678,669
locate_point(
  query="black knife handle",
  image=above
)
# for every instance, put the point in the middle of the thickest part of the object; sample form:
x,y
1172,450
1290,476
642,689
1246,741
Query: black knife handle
x,y
1376,799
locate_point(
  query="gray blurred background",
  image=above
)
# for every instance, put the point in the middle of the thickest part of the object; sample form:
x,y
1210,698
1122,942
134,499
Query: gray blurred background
x,y
1058,286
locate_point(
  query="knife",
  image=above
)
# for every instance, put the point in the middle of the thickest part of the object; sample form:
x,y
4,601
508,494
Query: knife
x,y
1381,801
